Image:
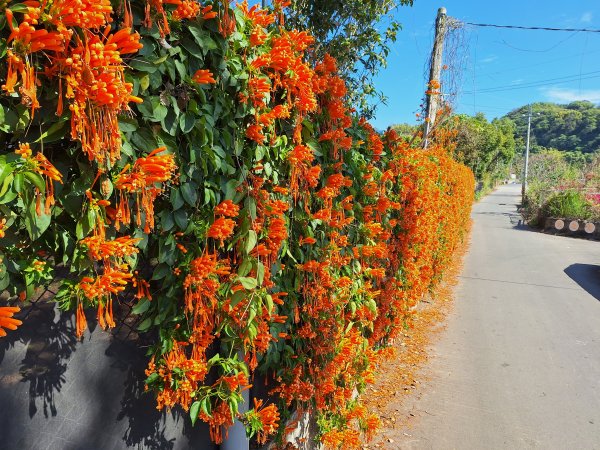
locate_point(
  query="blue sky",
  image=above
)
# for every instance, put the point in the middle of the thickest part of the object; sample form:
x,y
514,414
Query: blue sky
x,y
560,66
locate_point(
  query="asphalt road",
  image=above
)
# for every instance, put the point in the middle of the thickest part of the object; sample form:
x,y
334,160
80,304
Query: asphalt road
x,y
518,366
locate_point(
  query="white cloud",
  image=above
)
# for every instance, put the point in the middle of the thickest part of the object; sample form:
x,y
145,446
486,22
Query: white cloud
x,y
489,59
517,81
564,95
586,17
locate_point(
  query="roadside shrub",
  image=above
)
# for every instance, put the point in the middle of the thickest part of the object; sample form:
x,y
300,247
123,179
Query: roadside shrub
x,y
568,204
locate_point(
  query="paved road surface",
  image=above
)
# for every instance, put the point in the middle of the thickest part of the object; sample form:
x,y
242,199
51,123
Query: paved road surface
x,y
519,364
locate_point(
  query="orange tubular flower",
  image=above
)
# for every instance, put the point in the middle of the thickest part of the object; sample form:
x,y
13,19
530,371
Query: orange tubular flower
x,y
91,14
221,229
99,249
187,9
141,181
203,76
80,320
269,417
6,319
227,20
307,241
255,133
101,289
227,209
25,40
94,76
208,13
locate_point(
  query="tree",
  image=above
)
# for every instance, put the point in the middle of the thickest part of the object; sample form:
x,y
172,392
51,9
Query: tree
x,y
487,148
351,31
572,127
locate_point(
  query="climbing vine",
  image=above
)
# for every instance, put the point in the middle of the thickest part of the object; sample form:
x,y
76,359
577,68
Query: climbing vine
x,y
186,157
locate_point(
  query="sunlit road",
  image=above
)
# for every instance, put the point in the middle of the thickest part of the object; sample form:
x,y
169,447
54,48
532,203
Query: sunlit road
x,y
519,364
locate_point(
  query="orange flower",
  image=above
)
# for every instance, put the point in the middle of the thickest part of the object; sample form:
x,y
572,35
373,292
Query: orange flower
x,y
227,209
307,241
187,9
203,76
81,13
221,229
141,181
94,76
6,319
100,249
208,13
255,133
143,288
258,37
113,281
269,417
80,320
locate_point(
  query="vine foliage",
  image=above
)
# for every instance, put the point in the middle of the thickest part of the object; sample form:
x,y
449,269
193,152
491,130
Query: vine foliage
x,y
191,159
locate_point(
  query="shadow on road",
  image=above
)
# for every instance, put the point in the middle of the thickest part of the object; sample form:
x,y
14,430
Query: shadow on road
x,y
587,276
515,218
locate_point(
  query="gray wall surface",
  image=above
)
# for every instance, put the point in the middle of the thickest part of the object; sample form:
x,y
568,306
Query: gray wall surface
x,y
60,393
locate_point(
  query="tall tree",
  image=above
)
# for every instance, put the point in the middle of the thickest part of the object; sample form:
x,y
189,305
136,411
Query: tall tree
x,y
487,148
358,33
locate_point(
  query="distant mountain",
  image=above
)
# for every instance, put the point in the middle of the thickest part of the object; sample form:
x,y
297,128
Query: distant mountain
x,y
572,127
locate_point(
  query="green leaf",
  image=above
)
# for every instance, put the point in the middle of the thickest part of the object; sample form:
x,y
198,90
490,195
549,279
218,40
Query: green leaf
x,y
55,132
84,225
35,179
181,218
142,306
128,124
251,241
202,37
248,283
269,301
194,410
145,325
176,199
36,225
19,183
161,271
189,192
260,273
143,66
19,8
6,170
206,406
166,220
4,277
144,82
187,122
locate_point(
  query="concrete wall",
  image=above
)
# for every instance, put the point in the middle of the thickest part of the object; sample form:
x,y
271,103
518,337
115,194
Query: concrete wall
x,y
58,393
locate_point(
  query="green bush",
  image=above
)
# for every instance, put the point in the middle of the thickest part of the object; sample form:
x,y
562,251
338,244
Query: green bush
x,y
568,204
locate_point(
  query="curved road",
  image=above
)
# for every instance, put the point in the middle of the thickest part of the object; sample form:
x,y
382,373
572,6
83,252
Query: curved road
x,y
519,364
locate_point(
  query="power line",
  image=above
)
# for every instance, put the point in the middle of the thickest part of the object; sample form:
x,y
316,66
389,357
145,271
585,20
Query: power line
x,y
549,61
529,86
489,25
549,81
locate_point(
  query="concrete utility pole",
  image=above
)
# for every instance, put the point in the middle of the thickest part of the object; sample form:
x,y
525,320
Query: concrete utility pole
x,y
526,168
435,71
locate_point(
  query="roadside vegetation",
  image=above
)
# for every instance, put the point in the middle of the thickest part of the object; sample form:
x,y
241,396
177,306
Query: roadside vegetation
x,y
199,163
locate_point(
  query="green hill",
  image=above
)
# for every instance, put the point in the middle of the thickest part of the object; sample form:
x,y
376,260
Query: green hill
x,y
574,127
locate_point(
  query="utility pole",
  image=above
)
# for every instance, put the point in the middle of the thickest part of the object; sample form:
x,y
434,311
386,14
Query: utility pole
x,y
526,168
435,72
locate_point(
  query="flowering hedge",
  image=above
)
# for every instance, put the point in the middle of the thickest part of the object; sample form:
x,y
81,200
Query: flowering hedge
x,y
188,158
